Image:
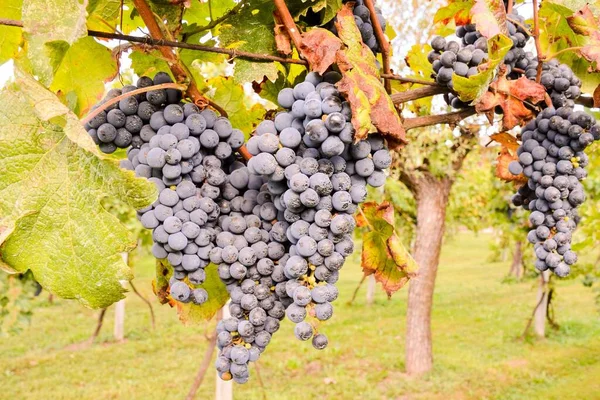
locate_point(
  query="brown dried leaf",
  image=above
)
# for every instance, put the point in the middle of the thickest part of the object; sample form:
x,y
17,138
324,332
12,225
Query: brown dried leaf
x,y
283,40
596,97
505,157
372,108
511,97
508,153
319,47
383,253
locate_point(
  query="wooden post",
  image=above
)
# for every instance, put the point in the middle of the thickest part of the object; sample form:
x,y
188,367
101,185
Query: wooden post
x,y
119,330
539,322
224,389
371,290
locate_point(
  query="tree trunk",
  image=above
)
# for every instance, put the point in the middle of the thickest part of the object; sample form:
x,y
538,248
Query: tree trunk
x,y
539,322
432,198
516,268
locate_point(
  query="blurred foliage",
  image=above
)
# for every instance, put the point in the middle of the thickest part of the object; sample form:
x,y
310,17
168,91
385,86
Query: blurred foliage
x,y
17,292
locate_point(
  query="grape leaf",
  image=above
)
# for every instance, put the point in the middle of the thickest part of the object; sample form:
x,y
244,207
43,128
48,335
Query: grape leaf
x,y
189,312
511,97
103,15
329,8
84,68
489,16
558,36
473,87
596,97
591,51
10,36
507,154
230,96
199,14
52,183
55,20
383,253
148,64
251,30
458,11
583,22
416,60
319,47
283,40
372,107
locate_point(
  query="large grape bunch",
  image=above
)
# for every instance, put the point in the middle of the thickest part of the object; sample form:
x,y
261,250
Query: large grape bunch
x,y
288,229
189,157
125,123
552,157
463,58
362,17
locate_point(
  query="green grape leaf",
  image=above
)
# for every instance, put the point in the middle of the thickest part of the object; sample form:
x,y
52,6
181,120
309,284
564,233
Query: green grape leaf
x,y
52,183
230,96
10,36
148,64
269,90
199,14
329,8
489,16
421,68
55,20
372,108
82,72
103,15
472,88
252,29
190,313
560,22
383,253
458,11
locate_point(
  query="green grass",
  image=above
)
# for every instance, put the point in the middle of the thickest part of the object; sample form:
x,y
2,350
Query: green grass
x,y
476,323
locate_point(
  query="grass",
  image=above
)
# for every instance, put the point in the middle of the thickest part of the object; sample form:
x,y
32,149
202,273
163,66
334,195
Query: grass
x,y
476,324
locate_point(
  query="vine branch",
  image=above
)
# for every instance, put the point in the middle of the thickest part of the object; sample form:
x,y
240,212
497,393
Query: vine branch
x,y
383,43
536,37
418,93
448,118
230,52
288,22
117,99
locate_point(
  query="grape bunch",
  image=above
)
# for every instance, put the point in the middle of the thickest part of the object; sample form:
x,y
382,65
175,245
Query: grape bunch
x,y
289,225
552,157
559,80
125,123
516,56
318,175
450,57
189,156
362,17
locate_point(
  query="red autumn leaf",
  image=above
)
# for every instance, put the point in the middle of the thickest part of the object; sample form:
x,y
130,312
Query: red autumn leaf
x,y
319,47
596,97
490,17
511,97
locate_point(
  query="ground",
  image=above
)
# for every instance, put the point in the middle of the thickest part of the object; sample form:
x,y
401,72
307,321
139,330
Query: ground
x,y
477,320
